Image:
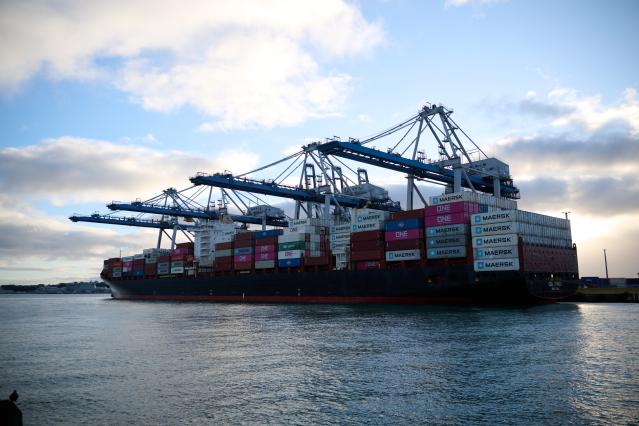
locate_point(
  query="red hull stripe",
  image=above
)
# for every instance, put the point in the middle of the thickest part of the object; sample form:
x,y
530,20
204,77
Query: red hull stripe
x,y
304,299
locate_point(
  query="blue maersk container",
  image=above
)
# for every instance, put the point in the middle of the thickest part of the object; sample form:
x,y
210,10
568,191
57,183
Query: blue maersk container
x,y
399,225
290,263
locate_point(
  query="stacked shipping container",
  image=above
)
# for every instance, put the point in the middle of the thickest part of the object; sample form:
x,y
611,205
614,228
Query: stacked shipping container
x,y
447,231
266,248
367,239
404,236
496,235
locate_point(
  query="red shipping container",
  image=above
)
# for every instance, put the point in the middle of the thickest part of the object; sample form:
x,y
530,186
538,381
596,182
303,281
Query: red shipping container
x,y
116,264
181,251
404,245
408,214
318,260
245,236
266,241
368,255
269,248
266,256
367,236
239,266
177,257
366,245
224,246
448,219
456,207
187,245
150,269
404,234
362,265
164,259
243,243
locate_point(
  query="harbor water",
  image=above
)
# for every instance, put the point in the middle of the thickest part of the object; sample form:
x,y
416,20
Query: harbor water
x,y
87,359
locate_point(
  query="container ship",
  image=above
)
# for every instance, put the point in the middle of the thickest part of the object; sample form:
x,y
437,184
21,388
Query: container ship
x,y
453,251
470,244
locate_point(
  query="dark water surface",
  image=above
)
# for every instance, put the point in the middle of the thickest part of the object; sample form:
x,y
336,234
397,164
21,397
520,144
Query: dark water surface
x,y
92,360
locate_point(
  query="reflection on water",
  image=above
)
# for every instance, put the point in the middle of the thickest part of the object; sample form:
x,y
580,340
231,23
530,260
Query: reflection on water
x,y
605,378
86,359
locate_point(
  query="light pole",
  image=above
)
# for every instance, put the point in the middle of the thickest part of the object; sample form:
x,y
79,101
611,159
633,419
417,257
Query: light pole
x,y
606,263
566,213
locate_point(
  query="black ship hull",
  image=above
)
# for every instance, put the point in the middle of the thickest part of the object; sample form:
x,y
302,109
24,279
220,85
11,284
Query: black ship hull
x,y
425,285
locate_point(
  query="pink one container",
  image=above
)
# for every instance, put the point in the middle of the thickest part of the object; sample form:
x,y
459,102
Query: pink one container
x,y
266,256
448,219
243,258
456,207
404,234
270,248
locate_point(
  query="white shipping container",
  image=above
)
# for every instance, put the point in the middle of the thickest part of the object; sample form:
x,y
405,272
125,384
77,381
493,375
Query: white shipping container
x,y
364,215
290,254
497,265
474,197
342,236
446,252
505,252
313,221
520,216
446,241
399,255
446,230
341,228
264,264
495,229
367,226
291,238
117,274
495,240
139,256
177,270
305,229
127,259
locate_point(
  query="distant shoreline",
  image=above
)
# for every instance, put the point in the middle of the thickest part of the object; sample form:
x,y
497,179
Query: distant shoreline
x,y
84,287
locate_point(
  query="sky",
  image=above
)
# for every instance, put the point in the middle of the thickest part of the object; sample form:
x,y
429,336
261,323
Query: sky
x,y
103,101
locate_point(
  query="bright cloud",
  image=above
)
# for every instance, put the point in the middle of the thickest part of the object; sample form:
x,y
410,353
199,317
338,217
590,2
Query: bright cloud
x,y
70,169
250,64
567,107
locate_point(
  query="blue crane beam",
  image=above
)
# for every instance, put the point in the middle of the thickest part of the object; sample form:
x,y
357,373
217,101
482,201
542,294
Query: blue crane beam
x,y
128,221
199,214
270,188
357,152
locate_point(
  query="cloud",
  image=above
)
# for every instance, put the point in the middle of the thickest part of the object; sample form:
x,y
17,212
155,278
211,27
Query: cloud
x,y
567,107
52,248
603,196
256,63
459,3
601,153
71,169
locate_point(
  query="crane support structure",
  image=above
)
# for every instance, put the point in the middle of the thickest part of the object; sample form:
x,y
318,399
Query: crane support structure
x,y
418,169
228,181
177,211
130,221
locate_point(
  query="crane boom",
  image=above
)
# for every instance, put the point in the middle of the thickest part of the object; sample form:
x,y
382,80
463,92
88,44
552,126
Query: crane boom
x,y
226,180
129,221
194,213
392,161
